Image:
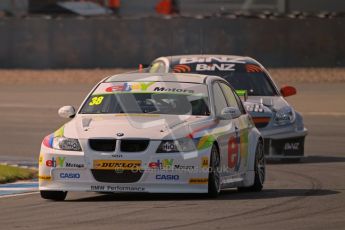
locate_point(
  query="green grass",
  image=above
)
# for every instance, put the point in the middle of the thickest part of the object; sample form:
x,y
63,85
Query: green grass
x,y
11,174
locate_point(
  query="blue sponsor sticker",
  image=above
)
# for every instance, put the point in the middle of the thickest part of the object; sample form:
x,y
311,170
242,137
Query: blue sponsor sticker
x,y
69,175
167,177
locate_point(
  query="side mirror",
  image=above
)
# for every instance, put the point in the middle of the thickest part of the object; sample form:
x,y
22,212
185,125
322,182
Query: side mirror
x,y
230,113
67,111
288,91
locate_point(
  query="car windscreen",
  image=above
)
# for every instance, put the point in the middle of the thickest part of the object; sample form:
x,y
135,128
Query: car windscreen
x,y
241,76
148,97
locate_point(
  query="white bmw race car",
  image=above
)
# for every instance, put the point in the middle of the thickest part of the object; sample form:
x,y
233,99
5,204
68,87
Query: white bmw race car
x,y
279,124
154,133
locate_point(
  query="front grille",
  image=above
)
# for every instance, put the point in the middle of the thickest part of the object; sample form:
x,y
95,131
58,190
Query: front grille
x,y
134,145
116,176
261,122
103,145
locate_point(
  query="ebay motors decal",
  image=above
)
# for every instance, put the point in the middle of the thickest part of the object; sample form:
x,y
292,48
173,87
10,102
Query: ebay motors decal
x,y
149,87
56,162
61,162
128,87
143,87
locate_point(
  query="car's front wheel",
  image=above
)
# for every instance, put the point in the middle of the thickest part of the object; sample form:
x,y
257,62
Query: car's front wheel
x,y
54,195
214,175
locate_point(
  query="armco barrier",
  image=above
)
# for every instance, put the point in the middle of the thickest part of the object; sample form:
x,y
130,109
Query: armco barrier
x,y
112,42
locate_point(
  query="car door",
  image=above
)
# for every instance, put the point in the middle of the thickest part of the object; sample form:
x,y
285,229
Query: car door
x,y
226,133
239,152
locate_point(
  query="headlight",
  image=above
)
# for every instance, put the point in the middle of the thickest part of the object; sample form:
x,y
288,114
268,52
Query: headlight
x,y
180,145
64,143
285,116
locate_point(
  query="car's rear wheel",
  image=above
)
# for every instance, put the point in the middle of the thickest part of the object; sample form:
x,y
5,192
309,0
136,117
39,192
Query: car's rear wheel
x,y
214,174
54,195
259,169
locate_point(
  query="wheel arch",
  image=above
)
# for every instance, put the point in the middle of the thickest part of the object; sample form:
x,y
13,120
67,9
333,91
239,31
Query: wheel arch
x,y
254,138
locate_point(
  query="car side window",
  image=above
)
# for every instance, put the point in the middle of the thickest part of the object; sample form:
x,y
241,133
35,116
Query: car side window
x,y
231,97
239,102
219,99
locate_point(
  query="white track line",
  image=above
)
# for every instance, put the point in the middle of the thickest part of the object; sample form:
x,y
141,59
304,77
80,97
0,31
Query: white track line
x,y
22,182
19,194
323,113
19,189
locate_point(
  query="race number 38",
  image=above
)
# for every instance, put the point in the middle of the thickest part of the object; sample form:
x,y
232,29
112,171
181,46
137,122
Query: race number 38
x,y
96,101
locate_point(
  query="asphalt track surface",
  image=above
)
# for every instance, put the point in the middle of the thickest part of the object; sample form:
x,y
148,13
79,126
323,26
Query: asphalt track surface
x,y
307,195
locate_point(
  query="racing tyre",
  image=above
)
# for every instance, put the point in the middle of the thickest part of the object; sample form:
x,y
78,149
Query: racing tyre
x,y
54,195
260,171
214,176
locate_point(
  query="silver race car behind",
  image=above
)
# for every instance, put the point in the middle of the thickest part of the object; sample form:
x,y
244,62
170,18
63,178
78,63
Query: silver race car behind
x,y
280,125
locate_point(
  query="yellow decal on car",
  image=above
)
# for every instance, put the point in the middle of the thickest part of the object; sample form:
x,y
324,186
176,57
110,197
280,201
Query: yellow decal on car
x,y
59,132
42,177
204,162
198,180
40,161
96,101
117,164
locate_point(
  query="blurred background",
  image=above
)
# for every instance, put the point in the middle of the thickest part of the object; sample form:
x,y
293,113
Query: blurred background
x,y
45,34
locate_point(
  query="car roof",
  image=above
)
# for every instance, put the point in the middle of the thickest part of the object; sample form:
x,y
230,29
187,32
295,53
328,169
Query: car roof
x,y
247,60
164,77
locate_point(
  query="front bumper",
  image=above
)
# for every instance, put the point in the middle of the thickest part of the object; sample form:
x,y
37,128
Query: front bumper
x,y
173,173
285,142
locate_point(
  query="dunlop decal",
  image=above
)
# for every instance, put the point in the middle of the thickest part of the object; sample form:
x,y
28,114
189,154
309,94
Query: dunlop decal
x,y
198,180
42,177
117,164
